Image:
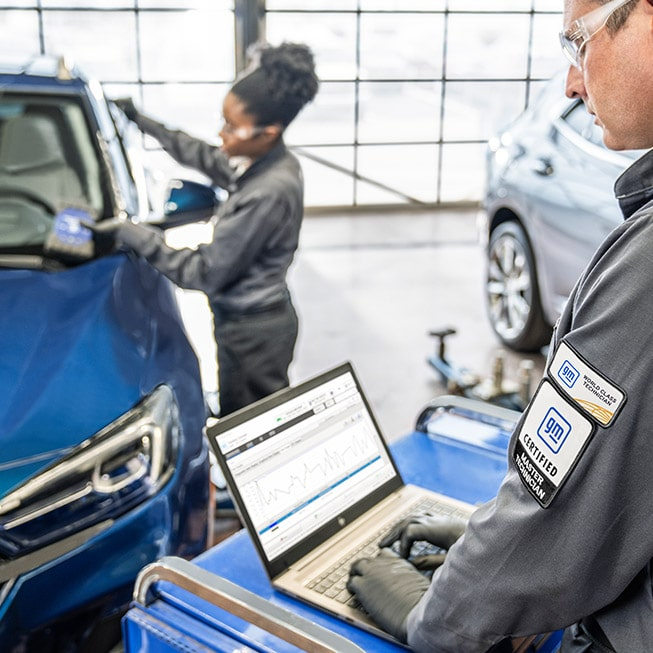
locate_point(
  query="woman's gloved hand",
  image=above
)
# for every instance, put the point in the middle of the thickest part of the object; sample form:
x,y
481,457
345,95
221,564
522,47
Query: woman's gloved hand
x,y
388,587
127,106
119,232
438,530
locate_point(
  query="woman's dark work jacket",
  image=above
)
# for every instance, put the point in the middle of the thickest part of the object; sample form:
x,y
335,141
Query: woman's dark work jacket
x,y
256,231
243,269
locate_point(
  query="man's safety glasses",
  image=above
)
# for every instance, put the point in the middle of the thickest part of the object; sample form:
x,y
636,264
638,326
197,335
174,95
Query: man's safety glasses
x,y
575,37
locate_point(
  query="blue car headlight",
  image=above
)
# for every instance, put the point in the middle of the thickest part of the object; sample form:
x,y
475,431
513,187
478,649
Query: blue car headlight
x,y
110,473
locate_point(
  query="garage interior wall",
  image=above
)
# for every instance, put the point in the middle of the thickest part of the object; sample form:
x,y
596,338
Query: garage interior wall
x,y
411,90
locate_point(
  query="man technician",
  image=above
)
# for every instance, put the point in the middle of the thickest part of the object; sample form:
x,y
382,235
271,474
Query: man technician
x,y
568,541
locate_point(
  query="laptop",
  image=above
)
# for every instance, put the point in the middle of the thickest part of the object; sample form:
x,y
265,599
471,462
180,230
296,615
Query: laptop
x,y
316,486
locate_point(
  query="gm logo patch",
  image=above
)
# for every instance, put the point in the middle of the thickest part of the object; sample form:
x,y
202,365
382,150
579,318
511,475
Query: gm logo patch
x,y
568,374
554,429
550,442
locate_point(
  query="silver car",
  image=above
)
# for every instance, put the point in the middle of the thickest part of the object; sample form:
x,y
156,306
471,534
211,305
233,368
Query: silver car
x,y
549,203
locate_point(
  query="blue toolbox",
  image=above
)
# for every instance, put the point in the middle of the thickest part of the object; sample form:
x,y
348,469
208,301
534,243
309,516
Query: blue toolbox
x,y
222,601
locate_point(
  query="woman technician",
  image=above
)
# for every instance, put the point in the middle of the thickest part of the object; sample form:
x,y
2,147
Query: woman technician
x,y
256,230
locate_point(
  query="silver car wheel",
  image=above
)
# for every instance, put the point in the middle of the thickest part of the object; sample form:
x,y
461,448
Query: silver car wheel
x,y
511,286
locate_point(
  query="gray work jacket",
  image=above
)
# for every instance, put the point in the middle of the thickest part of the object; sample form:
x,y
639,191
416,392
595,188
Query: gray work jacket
x,y
570,533
256,230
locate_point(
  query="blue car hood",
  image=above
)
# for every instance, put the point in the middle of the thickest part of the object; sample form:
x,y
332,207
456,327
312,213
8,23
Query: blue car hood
x,y
74,349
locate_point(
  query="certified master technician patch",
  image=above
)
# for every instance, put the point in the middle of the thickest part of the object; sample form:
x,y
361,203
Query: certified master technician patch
x,y
550,443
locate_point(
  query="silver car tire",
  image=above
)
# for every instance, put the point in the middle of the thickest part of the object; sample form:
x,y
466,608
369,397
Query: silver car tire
x,y
512,292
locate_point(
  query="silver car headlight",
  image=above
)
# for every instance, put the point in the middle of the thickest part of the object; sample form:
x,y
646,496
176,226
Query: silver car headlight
x,y
105,476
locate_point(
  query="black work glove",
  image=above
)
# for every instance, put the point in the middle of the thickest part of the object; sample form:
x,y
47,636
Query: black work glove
x,y
439,530
110,226
388,587
105,233
127,106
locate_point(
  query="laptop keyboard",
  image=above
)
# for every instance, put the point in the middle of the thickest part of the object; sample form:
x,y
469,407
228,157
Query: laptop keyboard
x,y
333,581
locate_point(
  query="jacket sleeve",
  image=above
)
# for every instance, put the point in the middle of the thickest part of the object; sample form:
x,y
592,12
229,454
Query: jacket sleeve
x,y
189,151
521,568
239,236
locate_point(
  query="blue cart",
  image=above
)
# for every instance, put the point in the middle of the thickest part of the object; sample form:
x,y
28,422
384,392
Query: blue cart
x,y
223,602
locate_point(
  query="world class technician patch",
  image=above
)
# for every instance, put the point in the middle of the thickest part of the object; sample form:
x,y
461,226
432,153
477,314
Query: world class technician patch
x,y
594,394
551,440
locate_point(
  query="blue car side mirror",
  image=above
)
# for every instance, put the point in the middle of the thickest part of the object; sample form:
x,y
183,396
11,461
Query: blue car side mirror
x,y
188,201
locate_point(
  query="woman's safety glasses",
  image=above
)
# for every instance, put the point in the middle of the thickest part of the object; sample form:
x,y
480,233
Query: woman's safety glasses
x,y
242,133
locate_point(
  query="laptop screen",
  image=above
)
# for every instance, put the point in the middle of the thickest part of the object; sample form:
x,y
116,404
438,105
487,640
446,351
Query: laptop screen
x,y
302,457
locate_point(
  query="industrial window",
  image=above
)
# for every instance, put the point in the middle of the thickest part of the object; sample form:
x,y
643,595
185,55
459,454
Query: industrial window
x,y
411,90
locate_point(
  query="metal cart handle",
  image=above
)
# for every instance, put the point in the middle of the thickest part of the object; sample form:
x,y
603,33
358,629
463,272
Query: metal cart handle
x,y
242,603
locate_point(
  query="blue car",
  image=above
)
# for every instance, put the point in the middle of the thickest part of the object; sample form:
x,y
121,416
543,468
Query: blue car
x,y
103,461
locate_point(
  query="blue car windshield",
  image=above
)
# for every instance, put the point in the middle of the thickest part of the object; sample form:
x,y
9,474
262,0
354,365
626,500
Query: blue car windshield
x,y
48,163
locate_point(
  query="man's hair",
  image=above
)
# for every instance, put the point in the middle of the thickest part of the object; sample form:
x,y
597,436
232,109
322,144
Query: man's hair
x,y
620,16
281,81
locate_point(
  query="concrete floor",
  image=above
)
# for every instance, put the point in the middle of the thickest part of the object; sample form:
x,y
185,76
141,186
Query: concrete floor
x,y
369,288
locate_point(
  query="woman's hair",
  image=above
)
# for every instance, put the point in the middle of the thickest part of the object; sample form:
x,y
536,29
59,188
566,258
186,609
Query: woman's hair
x,y
281,82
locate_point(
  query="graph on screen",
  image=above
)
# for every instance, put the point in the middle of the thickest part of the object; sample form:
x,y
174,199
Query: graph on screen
x,y
307,477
